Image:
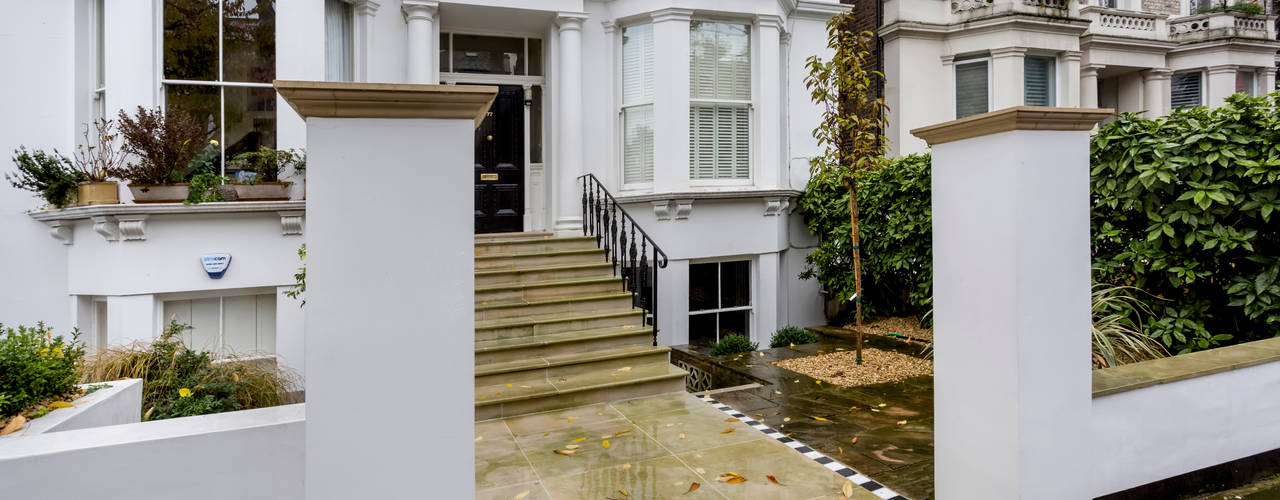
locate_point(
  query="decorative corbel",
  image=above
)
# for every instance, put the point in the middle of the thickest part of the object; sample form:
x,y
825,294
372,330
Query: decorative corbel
x,y
662,210
60,230
106,226
132,227
775,206
291,222
683,209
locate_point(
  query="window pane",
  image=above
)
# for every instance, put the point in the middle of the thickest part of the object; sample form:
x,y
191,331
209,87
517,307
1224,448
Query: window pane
x,y
488,54
239,325
251,119
719,61
637,64
971,89
702,329
735,283
702,286
249,41
732,322
267,323
337,41
1038,81
1185,89
201,101
535,126
637,146
719,141
191,39
1244,82
535,57
444,52
204,334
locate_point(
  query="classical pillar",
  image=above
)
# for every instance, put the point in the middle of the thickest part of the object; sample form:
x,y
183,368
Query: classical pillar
x,y
419,16
1089,85
568,166
671,101
1011,304
1007,78
1070,81
1266,80
362,38
421,136
1221,83
767,89
1155,91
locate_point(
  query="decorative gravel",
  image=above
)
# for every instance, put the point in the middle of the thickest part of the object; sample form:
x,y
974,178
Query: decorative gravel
x,y
909,326
841,367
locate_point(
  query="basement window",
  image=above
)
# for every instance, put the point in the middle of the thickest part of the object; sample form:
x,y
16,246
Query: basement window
x,y
719,301
228,325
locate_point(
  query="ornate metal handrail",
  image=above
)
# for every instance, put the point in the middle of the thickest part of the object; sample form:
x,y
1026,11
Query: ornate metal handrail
x,y
615,232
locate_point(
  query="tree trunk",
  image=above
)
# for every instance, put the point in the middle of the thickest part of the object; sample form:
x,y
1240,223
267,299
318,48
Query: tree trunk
x,y
857,264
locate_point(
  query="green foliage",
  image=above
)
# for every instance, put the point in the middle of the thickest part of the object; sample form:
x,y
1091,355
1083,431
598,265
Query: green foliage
x,y
268,163
181,382
165,144
204,187
1118,335
299,287
1250,7
51,176
733,343
35,365
895,229
1182,209
789,335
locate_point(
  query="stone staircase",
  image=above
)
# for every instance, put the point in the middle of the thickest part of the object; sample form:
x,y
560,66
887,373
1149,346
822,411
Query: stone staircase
x,y
554,329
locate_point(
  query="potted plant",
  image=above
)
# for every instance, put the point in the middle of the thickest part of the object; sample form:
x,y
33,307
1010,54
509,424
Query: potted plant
x,y
164,144
259,173
95,159
48,175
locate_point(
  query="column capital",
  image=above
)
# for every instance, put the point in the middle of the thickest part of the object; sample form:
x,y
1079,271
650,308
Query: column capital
x,y
570,21
1008,52
1071,55
769,21
1090,69
419,9
1156,74
948,59
1223,68
609,26
664,15
365,7
1266,70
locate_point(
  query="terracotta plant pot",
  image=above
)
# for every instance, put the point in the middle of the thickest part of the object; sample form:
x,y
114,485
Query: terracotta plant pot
x,y
97,193
159,193
262,191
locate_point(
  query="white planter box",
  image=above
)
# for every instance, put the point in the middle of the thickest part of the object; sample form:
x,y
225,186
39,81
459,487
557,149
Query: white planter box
x,y
121,403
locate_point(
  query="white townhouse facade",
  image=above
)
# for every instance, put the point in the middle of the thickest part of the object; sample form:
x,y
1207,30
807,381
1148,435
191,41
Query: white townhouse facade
x,y
692,113
947,59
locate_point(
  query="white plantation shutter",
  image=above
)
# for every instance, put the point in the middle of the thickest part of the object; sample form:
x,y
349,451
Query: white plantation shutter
x,y
1038,81
720,99
972,96
1185,89
637,102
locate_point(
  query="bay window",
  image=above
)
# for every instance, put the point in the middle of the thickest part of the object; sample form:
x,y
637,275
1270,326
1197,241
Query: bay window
x,y
338,41
973,87
1245,83
719,101
637,104
1038,80
219,62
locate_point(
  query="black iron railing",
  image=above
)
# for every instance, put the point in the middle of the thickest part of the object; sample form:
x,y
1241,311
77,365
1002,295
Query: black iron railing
x,y
634,255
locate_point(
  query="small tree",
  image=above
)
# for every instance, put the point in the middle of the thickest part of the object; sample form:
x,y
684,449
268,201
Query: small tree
x,y
853,121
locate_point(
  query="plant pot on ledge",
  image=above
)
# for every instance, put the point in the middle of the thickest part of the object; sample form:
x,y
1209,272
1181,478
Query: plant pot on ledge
x,y
97,193
262,191
159,193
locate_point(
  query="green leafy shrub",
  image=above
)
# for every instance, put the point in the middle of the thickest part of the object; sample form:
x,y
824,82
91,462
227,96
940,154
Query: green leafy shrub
x,y
298,289
895,231
35,365
181,382
733,344
268,162
165,144
52,176
792,335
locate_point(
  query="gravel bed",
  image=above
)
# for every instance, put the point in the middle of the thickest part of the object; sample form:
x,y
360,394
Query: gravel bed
x,y
909,326
841,367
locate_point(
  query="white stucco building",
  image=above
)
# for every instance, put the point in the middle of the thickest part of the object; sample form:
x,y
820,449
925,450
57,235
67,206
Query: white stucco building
x,y
693,113
949,59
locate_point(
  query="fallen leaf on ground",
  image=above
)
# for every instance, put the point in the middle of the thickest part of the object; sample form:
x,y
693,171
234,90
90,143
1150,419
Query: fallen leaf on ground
x,y
700,470
545,434
819,382
626,466
621,432
478,438
681,435
693,487
605,443
759,414
882,405
731,419
147,416
774,480
566,452
570,446
854,440
841,450
508,385
522,494
777,392
786,419
847,489
728,477
820,419
902,422
14,424
726,431
571,419
579,440
624,492
60,404
875,410
625,368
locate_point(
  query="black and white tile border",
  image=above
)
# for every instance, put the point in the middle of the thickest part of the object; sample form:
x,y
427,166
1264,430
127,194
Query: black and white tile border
x,y
865,482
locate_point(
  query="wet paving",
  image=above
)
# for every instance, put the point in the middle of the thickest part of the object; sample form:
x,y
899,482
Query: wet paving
x,y
893,422
655,447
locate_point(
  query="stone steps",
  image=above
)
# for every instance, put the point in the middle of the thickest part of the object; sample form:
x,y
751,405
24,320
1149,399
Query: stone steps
x,y
555,329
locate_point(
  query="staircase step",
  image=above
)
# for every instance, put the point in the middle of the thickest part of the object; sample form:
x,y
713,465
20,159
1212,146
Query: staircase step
x,y
527,235
533,245
494,351
523,292
584,303
569,365
535,274
531,259
495,401
530,326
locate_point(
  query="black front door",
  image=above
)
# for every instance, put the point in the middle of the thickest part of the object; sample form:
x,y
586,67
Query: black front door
x,y
500,164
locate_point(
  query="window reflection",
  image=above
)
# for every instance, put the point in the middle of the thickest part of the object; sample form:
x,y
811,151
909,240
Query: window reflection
x,y
248,41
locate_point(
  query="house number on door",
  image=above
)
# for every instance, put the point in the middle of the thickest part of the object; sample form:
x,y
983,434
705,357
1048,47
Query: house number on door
x,y
489,177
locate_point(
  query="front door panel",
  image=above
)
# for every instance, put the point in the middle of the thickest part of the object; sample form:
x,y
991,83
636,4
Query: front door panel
x,y
499,168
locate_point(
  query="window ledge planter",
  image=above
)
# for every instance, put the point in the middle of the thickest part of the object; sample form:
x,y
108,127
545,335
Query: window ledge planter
x,y
97,193
159,193
262,191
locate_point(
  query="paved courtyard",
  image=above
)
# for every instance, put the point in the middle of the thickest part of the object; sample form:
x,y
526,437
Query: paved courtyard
x,y
649,448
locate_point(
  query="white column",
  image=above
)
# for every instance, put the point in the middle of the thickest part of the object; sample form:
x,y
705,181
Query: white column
x,y
671,100
362,37
1221,84
1011,305
1089,85
767,99
1007,78
768,300
419,17
422,138
1266,80
1069,96
1155,91
568,167
673,303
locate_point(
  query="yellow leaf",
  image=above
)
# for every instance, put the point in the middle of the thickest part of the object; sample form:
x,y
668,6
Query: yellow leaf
x,y
819,382
624,492
545,434
571,419
14,424
737,480
147,416
626,466
681,435
566,452
820,419
61,404
627,327
882,405
777,392
727,476
508,385
786,419
902,422
522,494
621,432
726,431
478,438
731,419
571,447
847,489
579,440
625,368
605,443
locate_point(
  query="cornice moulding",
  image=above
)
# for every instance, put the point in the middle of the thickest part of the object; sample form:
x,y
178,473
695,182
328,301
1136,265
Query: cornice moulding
x,y
1014,118
78,213
313,99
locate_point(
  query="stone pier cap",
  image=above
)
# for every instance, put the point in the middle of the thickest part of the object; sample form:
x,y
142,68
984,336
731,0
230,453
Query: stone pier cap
x,y
1014,118
386,100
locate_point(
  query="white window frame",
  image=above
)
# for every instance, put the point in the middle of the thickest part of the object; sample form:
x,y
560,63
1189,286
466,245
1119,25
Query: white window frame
x,y
525,79
98,76
1252,90
221,295
221,84
1052,78
751,290
1203,81
354,17
622,121
955,67
749,103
